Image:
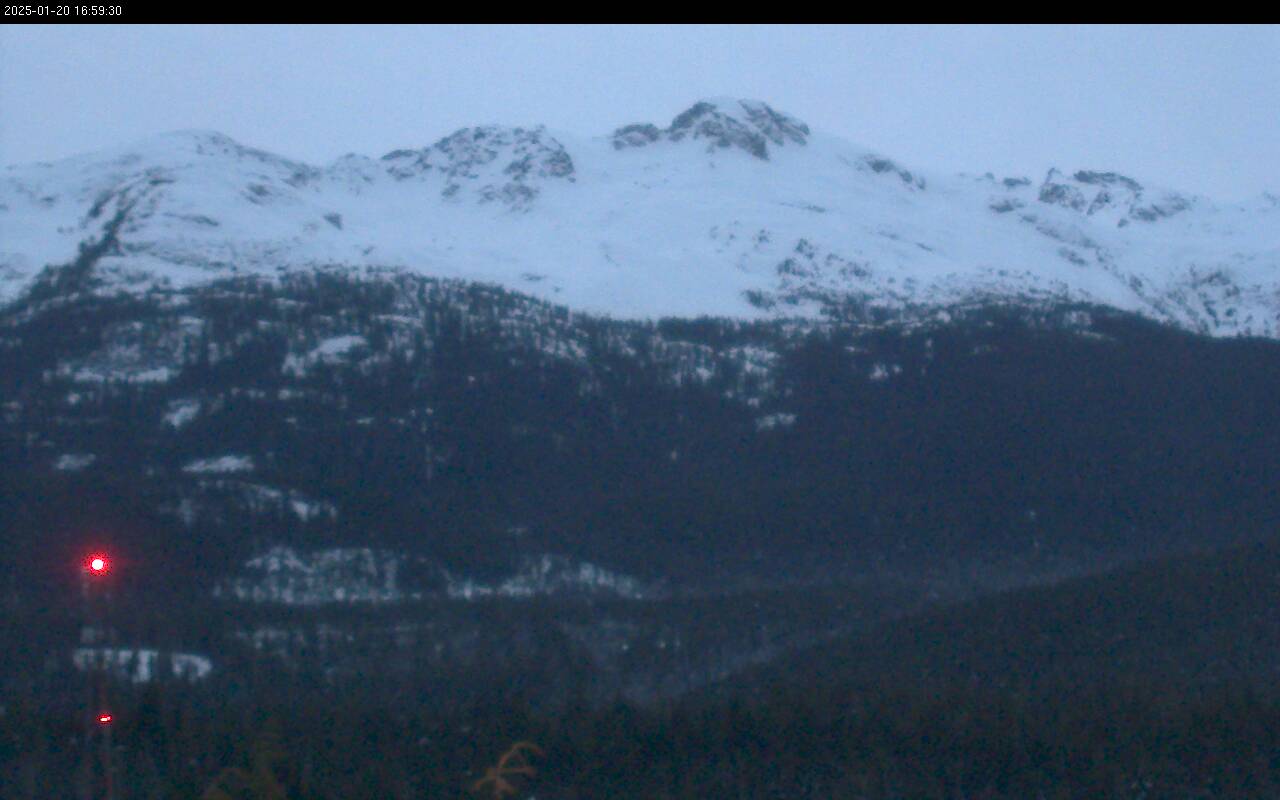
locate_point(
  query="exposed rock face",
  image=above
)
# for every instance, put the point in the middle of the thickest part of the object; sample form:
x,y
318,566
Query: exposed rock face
x,y
492,163
1109,194
881,165
635,136
747,125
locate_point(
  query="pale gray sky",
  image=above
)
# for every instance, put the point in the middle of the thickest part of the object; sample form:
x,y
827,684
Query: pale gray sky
x,y
1192,108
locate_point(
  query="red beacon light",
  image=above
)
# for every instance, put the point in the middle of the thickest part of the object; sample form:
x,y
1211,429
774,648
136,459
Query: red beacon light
x,y
98,565
105,719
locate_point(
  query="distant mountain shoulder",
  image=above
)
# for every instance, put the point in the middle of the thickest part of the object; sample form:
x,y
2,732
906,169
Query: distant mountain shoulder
x,y
1194,620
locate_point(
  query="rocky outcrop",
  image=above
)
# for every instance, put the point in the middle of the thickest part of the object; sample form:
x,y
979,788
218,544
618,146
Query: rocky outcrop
x,y
747,125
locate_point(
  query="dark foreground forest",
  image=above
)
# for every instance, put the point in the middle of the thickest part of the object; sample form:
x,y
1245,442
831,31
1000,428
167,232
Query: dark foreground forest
x,y
1149,681
881,740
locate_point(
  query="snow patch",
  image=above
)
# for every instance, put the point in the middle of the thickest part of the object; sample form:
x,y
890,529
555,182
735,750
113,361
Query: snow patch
x,y
342,575
772,421
128,375
141,665
181,412
219,465
74,462
547,575
330,351
882,372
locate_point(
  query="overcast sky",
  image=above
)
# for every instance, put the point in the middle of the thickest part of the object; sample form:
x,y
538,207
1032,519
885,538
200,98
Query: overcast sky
x,y
1192,108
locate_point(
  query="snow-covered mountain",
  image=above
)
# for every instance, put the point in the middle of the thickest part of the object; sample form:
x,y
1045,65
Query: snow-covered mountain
x,y
733,209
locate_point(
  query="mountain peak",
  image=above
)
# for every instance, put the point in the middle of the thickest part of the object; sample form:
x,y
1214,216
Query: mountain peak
x,y
185,149
203,142
500,163
722,122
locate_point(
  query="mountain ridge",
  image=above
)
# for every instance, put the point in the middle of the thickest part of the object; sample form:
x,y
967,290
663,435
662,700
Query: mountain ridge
x,y
734,209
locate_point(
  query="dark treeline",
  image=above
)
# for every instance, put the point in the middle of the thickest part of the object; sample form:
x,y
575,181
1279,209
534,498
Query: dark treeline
x,y
892,739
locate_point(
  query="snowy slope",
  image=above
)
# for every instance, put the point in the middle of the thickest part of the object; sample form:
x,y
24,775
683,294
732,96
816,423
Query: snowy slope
x,y
733,209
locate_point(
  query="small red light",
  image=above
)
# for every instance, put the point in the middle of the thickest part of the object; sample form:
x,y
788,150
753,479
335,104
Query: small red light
x,y
98,564
104,719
